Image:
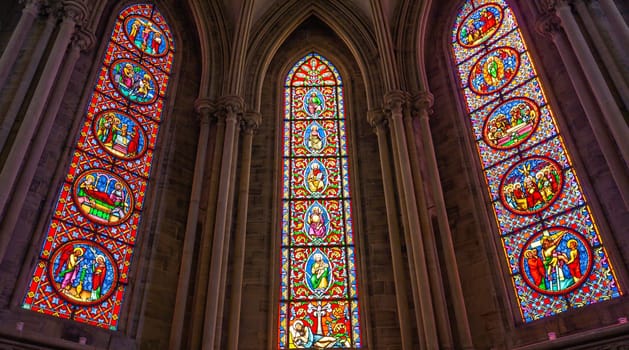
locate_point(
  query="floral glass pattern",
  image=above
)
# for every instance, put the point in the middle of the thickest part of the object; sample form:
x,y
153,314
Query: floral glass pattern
x,y
318,293
83,266
549,236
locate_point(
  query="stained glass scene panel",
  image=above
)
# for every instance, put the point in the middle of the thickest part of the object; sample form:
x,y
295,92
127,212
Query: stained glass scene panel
x,y
83,267
550,239
318,304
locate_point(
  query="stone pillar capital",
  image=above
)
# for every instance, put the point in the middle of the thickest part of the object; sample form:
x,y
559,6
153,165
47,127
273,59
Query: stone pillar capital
x,y
548,24
74,10
250,122
204,108
204,105
377,119
422,103
395,102
83,39
33,6
231,106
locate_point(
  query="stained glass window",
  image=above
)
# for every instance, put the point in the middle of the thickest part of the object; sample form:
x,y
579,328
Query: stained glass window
x,y
551,241
318,294
83,266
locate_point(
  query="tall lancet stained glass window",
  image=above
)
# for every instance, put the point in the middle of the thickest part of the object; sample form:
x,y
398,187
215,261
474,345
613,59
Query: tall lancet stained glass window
x,y
551,241
83,266
318,294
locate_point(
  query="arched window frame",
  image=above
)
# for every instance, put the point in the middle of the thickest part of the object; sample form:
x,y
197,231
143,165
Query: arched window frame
x,y
161,119
590,203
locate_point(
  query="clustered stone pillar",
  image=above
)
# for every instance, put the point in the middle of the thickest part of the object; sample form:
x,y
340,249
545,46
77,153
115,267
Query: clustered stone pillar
x,y
378,122
549,25
422,106
12,50
25,80
203,263
603,51
81,41
610,110
619,28
395,102
73,14
250,123
232,105
203,107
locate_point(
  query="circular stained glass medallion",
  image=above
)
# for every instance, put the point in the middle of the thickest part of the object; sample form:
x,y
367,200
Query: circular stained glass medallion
x,y
511,123
133,81
494,70
103,197
480,25
146,35
531,185
119,134
556,260
83,272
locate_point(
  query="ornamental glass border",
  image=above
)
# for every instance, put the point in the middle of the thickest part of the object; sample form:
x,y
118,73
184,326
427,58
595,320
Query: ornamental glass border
x,y
318,305
550,239
83,266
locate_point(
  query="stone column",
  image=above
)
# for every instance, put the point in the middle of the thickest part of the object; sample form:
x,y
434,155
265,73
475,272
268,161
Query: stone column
x,y
423,102
12,50
619,28
232,106
378,122
73,13
395,102
549,25
82,41
250,123
203,106
604,53
430,246
17,100
203,263
612,114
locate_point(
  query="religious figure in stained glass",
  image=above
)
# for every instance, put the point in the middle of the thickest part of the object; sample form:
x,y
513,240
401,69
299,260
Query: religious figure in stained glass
x,y
84,261
550,239
318,305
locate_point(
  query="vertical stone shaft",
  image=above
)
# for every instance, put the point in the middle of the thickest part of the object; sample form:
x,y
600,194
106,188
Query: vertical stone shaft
x,y
12,50
25,81
612,114
220,229
35,111
604,53
222,287
81,42
377,121
250,122
456,292
395,102
432,258
203,108
620,29
198,302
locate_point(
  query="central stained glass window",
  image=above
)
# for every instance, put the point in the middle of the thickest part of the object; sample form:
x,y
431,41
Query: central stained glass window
x,y
319,298
550,238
